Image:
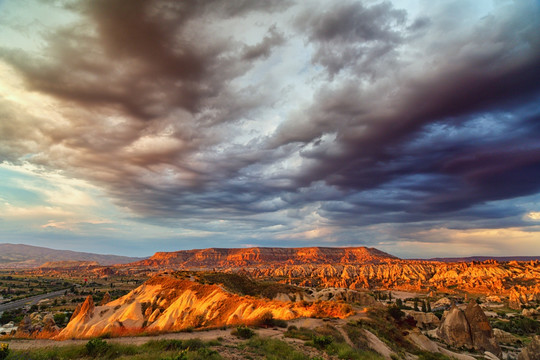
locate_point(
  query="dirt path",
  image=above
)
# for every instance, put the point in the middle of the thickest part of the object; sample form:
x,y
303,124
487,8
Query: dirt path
x,y
131,340
310,323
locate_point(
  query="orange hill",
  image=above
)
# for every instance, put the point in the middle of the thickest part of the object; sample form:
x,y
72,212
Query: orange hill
x,y
165,303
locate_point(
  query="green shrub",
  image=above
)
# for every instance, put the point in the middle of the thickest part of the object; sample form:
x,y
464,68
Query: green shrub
x,y
302,333
60,318
395,312
243,332
97,347
193,344
207,353
273,349
322,341
4,351
519,325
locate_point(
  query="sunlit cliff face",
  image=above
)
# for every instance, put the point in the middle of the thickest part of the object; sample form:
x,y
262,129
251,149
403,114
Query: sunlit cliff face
x,y
359,268
168,304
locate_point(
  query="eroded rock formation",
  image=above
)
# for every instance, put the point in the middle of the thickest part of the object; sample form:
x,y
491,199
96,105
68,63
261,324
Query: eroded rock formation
x,y
168,304
469,328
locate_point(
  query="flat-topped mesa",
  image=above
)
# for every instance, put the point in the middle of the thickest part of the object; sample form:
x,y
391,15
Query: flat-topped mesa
x,y
223,257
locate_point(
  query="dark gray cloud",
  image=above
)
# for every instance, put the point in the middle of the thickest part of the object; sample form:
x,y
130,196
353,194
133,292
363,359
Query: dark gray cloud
x,y
351,34
173,110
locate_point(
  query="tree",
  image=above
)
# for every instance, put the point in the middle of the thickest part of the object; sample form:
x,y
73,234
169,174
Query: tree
x,y
424,308
415,304
395,312
428,306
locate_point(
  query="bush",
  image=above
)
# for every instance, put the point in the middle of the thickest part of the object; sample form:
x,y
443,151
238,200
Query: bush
x,y
4,351
274,349
193,344
395,312
181,356
322,341
60,318
243,332
97,347
519,325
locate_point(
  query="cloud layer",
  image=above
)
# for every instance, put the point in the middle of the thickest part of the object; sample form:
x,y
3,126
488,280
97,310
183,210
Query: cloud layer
x,y
336,123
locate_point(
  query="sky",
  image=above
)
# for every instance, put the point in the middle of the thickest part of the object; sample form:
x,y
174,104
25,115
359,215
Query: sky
x,y
131,127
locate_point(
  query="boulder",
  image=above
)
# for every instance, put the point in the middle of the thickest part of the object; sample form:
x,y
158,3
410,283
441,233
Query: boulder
x,y
469,328
529,312
481,331
49,324
454,329
532,351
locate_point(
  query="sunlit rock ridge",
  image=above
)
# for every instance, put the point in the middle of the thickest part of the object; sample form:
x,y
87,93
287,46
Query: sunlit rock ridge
x,y
361,268
226,258
165,303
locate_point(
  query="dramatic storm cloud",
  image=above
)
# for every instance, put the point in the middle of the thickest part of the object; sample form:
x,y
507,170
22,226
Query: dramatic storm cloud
x,y
136,126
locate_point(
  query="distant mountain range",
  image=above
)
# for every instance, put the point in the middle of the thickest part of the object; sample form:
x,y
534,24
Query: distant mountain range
x,y
483,258
27,256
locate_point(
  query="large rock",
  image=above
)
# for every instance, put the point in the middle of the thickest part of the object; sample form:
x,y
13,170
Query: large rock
x,y
532,351
49,324
455,330
481,331
529,312
469,328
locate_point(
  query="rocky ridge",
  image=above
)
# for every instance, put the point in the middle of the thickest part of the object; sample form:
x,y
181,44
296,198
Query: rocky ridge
x,y
520,281
169,304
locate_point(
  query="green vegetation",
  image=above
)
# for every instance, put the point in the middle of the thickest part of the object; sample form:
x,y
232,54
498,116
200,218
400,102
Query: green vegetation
x,y
97,347
385,327
273,349
330,340
322,341
302,333
519,325
395,312
4,351
243,332
193,349
346,352
244,285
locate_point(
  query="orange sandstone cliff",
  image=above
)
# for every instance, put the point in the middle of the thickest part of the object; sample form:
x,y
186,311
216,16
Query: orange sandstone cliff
x,y
167,304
